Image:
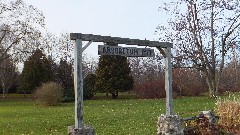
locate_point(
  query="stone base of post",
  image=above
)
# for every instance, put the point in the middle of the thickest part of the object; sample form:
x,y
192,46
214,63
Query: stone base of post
x,y
87,130
170,125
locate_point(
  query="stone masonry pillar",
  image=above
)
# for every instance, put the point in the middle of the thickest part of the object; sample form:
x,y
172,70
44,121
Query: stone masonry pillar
x,y
87,130
170,125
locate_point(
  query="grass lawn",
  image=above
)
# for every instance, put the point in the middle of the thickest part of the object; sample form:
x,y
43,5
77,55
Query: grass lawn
x,y
123,116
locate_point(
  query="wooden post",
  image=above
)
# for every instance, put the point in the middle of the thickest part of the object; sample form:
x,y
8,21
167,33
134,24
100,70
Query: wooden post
x,y
78,84
168,81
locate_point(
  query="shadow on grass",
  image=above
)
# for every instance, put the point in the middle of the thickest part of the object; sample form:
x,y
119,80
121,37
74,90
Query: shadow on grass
x,y
104,96
17,97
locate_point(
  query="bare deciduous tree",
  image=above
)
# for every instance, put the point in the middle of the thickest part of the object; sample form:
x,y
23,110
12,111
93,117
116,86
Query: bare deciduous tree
x,y
8,75
19,28
203,32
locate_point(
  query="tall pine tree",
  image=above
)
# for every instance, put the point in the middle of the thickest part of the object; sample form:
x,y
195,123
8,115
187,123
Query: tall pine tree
x,y
37,70
113,75
64,76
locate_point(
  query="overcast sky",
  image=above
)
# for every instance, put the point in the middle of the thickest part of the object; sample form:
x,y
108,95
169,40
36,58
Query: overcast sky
x,y
135,19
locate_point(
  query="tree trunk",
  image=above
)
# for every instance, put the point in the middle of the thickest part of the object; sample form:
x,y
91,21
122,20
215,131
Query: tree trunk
x,y
4,95
24,95
212,86
218,81
115,95
180,90
4,90
213,69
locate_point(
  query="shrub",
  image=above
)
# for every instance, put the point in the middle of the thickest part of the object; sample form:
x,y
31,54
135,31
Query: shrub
x,y
89,86
189,82
193,89
150,89
154,89
228,111
49,94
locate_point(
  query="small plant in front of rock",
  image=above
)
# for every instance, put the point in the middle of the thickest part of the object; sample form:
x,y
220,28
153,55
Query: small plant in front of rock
x,y
49,94
203,124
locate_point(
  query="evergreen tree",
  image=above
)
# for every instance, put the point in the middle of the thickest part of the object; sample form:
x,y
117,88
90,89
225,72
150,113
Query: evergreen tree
x,y
37,70
89,86
64,76
113,75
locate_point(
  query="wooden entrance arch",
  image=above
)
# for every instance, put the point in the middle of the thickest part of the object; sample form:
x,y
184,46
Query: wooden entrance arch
x,y
163,47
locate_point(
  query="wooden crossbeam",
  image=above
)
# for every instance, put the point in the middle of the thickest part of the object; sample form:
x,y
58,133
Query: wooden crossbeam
x,y
119,40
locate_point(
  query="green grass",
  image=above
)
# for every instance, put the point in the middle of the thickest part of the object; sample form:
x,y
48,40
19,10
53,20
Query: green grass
x,y
109,117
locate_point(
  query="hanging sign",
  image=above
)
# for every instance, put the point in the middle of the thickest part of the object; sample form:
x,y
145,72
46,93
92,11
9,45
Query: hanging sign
x,y
125,51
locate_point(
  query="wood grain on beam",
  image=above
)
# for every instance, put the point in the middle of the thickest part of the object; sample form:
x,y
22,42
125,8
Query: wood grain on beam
x,y
118,40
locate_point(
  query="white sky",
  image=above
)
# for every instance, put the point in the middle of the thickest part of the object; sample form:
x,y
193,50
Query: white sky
x,y
136,19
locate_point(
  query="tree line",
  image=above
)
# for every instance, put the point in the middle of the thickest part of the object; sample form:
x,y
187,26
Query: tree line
x,y
142,76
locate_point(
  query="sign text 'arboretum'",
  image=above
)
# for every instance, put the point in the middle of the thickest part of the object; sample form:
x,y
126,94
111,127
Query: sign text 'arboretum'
x,y
125,51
